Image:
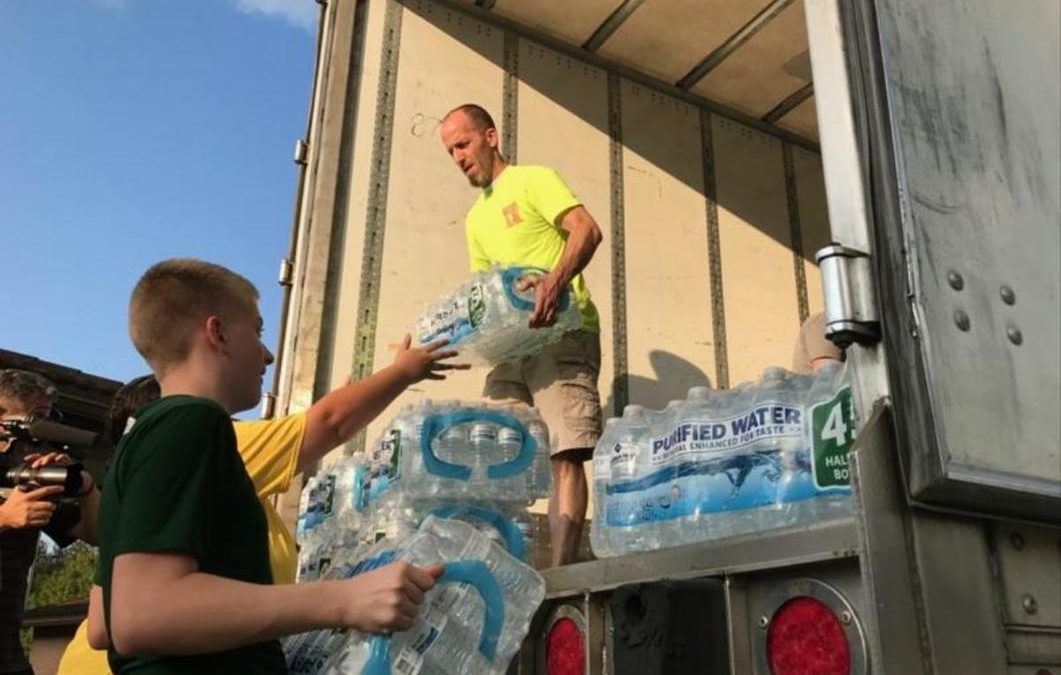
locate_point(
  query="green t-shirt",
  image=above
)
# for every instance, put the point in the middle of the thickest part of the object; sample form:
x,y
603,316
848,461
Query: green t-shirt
x,y
515,221
177,485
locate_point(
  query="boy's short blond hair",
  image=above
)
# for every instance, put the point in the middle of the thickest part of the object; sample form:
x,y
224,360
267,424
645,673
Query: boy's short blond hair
x,y
173,296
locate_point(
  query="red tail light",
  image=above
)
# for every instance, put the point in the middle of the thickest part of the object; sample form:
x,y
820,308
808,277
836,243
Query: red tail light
x,y
806,638
565,649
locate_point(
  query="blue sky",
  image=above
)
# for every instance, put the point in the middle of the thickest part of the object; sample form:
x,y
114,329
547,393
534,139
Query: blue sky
x,y
137,130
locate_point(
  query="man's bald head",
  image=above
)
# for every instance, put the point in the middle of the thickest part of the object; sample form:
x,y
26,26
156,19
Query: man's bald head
x,y
476,114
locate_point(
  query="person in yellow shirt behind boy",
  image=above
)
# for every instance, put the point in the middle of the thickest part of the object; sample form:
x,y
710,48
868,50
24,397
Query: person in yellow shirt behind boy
x,y
274,452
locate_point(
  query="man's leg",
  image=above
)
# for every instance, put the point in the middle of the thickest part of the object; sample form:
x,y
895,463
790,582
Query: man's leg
x,y
563,380
567,507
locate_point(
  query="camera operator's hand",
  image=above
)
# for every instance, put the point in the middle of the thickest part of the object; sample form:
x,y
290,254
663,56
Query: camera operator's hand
x,y
37,460
33,508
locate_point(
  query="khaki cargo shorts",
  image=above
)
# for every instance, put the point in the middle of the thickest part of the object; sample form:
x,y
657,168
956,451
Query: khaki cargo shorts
x,y
561,382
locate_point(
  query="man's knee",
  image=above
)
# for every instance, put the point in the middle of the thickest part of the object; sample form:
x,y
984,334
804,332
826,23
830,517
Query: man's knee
x,y
568,465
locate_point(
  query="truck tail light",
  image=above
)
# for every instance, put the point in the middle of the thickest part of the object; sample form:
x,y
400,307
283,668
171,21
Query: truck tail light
x,y
565,648
806,637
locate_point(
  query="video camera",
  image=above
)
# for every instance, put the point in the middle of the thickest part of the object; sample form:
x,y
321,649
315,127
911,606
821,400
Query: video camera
x,y
35,435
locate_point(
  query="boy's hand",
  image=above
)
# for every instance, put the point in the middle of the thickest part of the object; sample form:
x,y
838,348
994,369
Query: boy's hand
x,y
419,363
387,599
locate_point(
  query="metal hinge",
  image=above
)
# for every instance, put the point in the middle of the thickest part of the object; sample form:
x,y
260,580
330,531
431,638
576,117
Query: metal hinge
x,y
301,152
287,272
850,297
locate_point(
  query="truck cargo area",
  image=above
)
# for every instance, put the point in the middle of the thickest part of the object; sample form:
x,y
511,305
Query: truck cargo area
x,y
704,137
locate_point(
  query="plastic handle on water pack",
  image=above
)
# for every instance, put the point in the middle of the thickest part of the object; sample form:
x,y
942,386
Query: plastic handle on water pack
x,y
434,425
510,534
511,276
476,574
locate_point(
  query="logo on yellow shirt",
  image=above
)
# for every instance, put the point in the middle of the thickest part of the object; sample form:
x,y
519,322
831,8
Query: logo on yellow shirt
x,y
512,215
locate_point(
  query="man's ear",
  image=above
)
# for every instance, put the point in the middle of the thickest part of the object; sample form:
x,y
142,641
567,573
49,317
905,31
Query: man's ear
x,y
492,138
215,334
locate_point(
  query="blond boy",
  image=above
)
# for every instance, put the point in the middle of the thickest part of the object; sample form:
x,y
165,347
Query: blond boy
x,y
184,579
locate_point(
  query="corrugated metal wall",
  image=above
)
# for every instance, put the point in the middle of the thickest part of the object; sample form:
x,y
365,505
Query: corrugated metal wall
x,y
699,211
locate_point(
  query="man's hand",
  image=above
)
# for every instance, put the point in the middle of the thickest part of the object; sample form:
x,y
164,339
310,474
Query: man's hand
x,y
387,599
547,291
419,363
32,508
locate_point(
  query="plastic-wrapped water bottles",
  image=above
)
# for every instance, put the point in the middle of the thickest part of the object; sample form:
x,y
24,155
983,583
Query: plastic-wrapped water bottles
x,y
473,621
831,426
487,318
721,463
454,451
628,519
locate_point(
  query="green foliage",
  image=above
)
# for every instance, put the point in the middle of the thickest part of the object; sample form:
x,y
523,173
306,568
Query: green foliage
x,y
62,576
59,577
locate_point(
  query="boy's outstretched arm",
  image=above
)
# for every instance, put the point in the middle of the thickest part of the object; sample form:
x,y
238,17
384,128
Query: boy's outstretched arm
x,y
339,415
161,603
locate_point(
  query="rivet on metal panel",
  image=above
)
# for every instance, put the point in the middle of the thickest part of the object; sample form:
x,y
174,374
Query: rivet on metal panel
x,y
845,617
961,320
1014,334
764,621
956,281
1029,603
1007,294
1017,539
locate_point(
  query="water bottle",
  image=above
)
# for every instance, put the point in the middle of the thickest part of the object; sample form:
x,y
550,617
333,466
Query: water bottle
x,y
629,512
601,533
540,476
483,439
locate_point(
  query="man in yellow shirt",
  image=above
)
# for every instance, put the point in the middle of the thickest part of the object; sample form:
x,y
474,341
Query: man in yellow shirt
x,y
526,215
274,452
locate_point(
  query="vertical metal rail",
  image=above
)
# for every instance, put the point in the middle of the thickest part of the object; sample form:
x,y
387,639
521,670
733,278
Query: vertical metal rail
x,y
796,230
376,216
714,251
510,99
621,381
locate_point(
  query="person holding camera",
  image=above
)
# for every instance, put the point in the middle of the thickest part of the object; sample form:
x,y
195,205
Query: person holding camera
x,y
27,509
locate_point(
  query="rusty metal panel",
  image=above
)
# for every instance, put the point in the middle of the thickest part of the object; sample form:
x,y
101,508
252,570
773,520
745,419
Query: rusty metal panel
x,y
669,316
770,66
761,300
813,218
667,38
445,59
572,22
563,104
802,120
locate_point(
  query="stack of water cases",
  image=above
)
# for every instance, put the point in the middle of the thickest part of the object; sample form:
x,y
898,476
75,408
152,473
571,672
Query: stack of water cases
x,y
722,463
435,465
453,460
473,621
487,318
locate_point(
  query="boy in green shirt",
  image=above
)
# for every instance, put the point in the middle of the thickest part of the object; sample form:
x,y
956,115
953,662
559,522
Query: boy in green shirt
x,y
185,584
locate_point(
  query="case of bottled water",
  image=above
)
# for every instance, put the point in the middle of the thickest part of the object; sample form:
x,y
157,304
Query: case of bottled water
x,y
397,515
473,621
466,452
723,463
487,318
